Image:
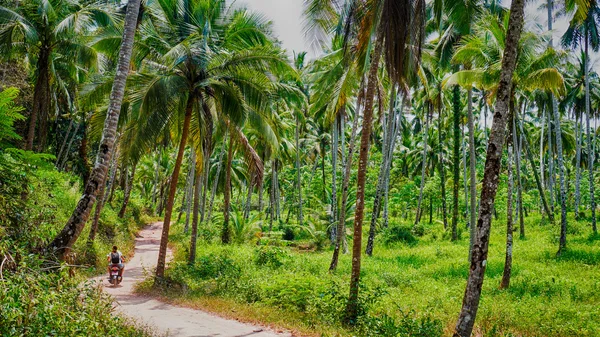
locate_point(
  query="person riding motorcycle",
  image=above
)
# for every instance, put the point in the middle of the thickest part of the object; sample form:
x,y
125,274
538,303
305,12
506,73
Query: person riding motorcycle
x,y
116,258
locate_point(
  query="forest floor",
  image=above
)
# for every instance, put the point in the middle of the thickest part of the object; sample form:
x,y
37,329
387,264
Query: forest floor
x,y
165,318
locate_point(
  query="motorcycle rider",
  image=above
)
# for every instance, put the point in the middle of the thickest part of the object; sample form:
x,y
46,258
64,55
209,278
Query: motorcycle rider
x,y
116,258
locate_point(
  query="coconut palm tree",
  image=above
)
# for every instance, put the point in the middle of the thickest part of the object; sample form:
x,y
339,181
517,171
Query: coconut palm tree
x,y
468,312
201,62
584,29
69,234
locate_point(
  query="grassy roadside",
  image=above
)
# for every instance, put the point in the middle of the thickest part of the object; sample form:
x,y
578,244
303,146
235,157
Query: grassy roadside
x,y
411,287
40,298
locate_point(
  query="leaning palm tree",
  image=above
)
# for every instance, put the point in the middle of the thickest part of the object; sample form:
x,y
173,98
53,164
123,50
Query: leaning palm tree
x,y
50,35
69,234
468,313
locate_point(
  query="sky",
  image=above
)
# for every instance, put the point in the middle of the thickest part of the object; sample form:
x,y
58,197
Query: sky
x,y
287,19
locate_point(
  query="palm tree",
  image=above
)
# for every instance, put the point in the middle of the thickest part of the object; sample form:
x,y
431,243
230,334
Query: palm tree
x,y
391,28
69,234
201,61
584,28
50,35
468,312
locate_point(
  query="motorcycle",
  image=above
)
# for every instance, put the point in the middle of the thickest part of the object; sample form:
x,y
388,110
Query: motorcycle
x,y
115,279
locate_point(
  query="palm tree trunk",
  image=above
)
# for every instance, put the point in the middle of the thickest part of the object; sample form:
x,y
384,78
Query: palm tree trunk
x,y
191,191
216,181
388,130
465,180
589,139
164,239
353,305
127,193
248,201
41,96
334,152
468,312
156,177
67,237
550,162
542,171
298,173
561,172
272,194
341,226
509,225
442,168
423,165
102,197
517,145
225,233
456,160
578,137
198,182
64,143
540,186
473,171
66,157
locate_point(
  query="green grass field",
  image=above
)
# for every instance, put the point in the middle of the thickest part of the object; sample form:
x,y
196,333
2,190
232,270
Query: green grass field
x,y
416,288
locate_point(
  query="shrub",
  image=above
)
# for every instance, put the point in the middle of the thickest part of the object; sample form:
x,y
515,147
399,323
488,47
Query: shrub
x,y
409,325
398,233
273,257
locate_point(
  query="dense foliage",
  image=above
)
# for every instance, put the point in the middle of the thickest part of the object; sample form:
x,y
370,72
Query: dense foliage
x,y
196,114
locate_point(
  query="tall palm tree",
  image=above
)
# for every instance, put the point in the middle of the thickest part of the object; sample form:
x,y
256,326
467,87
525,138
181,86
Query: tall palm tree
x,y
468,312
69,234
201,62
392,29
584,28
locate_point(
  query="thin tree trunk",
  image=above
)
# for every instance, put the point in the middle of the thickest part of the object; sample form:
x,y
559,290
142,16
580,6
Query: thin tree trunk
x,y
561,172
225,233
550,161
389,129
272,194
509,225
578,137
442,168
353,304
198,182
66,157
542,171
298,173
127,193
423,165
164,240
535,174
64,143
468,312
517,145
248,201
67,237
589,138
334,153
341,229
156,177
191,191
457,116
216,181
473,171
465,179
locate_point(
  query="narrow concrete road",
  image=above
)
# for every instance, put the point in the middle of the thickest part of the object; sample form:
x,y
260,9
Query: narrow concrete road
x,y
165,318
